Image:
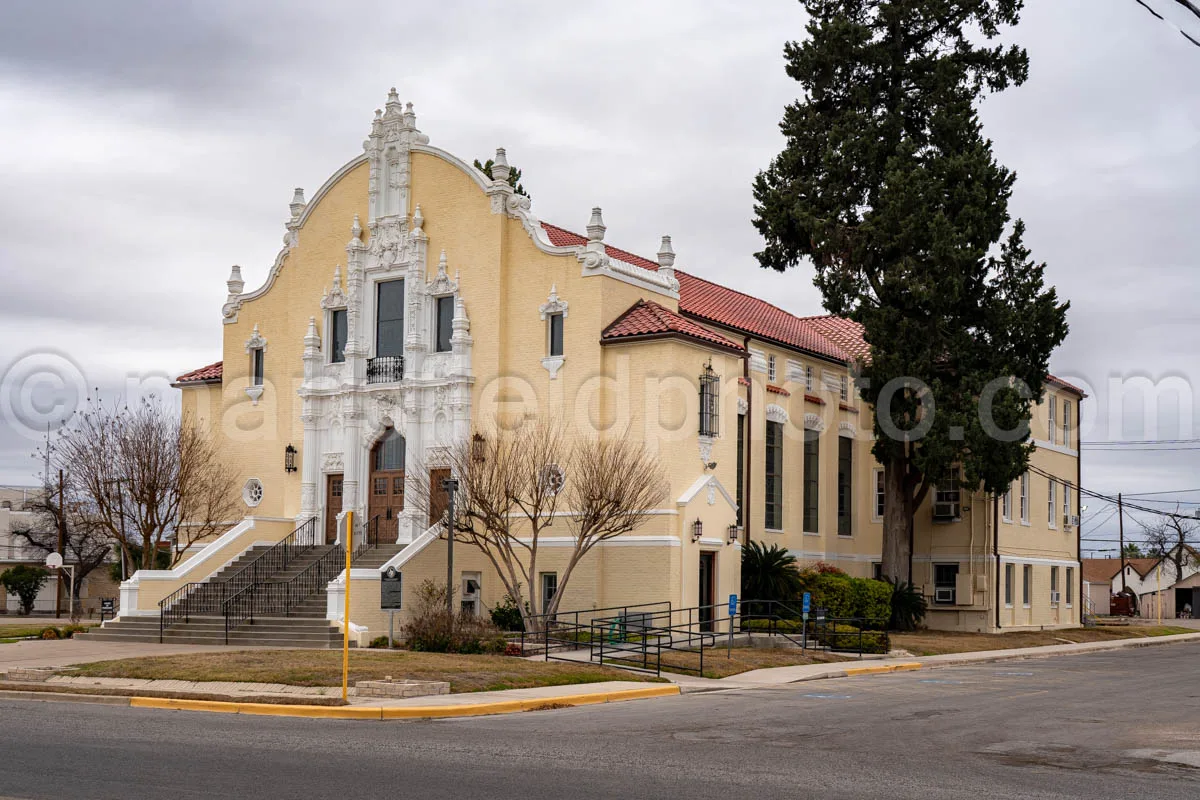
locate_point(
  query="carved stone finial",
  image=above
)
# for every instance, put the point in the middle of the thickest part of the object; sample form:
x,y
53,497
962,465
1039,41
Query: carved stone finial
x,y
500,168
393,104
410,116
235,284
356,229
666,254
418,219
596,226
297,204
442,265
312,340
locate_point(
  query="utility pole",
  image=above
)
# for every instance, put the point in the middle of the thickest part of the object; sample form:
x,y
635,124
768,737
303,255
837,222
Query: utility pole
x,y
450,486
1121,530
62,541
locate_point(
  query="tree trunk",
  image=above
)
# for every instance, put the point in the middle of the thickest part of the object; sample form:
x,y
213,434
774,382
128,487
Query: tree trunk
x,y
897,523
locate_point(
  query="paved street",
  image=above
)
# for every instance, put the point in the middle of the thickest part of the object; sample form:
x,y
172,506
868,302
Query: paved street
x,y
1112,725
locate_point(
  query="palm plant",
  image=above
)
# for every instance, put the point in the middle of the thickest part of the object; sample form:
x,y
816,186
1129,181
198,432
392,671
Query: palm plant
x,y
769,573
908,607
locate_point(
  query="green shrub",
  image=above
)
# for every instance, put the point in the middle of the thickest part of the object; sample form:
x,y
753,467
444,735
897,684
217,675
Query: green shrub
x,y
844,597
846,637
782,625
506,616
908,607
433,629
769,573
51,633
378,642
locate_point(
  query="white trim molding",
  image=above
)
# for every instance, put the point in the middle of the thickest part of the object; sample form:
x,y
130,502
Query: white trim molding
x,y
777,414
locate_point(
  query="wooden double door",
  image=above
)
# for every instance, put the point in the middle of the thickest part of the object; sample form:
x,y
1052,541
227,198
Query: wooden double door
x,y
333,506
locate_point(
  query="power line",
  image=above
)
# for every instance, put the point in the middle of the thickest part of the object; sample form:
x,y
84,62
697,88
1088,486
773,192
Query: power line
x,y
1175,491
1103,442
1186,4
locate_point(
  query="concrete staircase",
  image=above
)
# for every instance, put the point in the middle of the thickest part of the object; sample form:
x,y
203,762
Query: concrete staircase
x,y
304,626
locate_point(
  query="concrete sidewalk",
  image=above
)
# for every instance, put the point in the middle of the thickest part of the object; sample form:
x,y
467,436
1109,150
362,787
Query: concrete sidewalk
x,y
65,652
780,676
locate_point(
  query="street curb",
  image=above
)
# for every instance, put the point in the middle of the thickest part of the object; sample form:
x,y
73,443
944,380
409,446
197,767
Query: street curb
x,y
65,697
403,712
881,669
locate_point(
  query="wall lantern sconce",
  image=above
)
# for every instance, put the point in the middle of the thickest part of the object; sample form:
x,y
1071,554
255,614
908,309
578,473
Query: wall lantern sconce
x,y
697,530
733,533
478,447
289,458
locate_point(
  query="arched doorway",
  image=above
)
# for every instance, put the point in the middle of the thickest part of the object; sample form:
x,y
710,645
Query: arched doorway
x,y
385,500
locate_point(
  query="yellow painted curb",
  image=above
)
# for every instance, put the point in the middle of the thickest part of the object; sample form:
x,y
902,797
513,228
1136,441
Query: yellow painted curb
x,y
881,669
401,712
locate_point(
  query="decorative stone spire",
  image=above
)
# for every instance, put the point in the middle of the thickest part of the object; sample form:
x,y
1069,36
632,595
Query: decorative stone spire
x,y
460,326
441,273
410,117
596,229
297,204
666,258
235,284
418,220
312,340
500,168
393,103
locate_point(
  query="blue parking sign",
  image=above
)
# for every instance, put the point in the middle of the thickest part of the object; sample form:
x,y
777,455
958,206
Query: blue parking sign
x,y
807,603
732,605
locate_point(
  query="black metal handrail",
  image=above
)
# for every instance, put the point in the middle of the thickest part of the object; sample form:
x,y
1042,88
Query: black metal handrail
x,y
368,536
566,630
275,559
176,606
278,598
385,369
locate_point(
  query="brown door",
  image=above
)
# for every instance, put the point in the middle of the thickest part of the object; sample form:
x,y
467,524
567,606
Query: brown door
x,y
439,501
333,506
708,574
385,491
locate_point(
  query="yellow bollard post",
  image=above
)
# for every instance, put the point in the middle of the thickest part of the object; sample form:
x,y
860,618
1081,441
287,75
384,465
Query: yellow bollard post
x,y
346,610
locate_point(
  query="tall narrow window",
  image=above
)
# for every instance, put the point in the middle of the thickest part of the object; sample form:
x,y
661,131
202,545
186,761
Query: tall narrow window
x,y
710,390
1052,427
389,319
879,494
773,519
809,378
556,334
1066,440
444,322
1027,585
257,366
844,389
549,589
772,371
1066,501
1051,506
1006,506
947,497
812,481
1008,584
1070,587
741,466
845,478
1054,586
337,335
1025,498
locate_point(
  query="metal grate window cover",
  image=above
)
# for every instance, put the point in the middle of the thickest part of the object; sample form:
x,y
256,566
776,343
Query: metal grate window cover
x,y
710,390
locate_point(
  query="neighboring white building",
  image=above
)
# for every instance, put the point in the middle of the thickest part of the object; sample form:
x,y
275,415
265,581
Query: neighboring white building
x,y
15,513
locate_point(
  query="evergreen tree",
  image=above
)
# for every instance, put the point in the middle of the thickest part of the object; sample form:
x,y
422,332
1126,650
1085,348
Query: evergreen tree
x,y
514,175
888,186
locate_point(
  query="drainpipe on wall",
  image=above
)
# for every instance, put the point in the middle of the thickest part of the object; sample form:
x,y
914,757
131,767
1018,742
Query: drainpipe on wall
x,y
996,551
748,437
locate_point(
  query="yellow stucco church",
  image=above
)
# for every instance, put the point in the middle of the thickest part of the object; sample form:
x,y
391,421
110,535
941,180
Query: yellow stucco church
x,y
416,296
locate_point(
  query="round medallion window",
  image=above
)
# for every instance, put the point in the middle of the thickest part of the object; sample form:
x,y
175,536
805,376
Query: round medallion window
x,y
252,492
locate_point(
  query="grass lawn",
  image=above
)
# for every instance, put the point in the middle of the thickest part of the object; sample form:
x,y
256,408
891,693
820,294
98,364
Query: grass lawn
x,y
720,663
324,668
932,643
24,629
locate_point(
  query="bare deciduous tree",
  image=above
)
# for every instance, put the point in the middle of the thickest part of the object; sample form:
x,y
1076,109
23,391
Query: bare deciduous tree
x,y
84,544
150,478
515,482
1171,538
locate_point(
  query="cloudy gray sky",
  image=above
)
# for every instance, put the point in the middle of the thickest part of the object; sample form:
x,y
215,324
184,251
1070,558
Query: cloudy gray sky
x,y
147,146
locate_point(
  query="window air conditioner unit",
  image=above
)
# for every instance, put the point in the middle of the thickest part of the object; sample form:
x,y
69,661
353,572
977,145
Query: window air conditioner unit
x,y
945,512
1071,521
943,595
1055,598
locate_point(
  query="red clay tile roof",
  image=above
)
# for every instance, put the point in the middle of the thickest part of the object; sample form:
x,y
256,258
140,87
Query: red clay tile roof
x,y
647,319
723,306
845,333
1067,386
209,374
773,389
